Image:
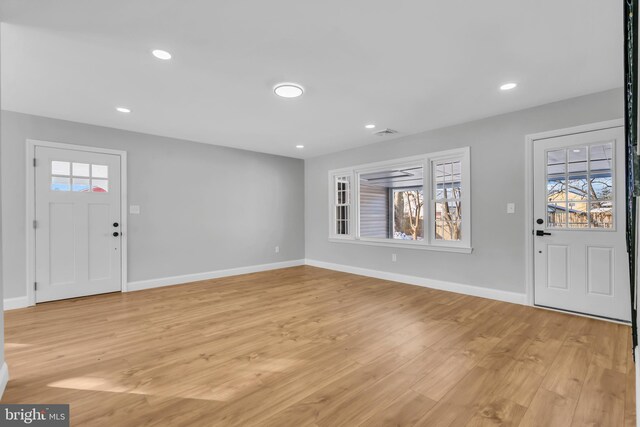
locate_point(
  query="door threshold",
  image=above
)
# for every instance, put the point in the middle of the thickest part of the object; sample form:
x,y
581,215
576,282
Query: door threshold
x,y
590,316
77,298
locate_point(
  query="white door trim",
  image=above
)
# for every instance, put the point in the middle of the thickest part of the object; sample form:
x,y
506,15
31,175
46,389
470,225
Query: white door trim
x,y
31,145
528,189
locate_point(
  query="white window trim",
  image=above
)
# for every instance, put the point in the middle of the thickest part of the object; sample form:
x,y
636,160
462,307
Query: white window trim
x,y
426,161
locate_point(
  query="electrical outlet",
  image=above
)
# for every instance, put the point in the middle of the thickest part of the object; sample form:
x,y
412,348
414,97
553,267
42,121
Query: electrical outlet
x,y
394,258
277,249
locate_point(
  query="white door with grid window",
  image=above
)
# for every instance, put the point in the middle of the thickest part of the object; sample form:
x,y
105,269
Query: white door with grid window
x,y
579,224
78,225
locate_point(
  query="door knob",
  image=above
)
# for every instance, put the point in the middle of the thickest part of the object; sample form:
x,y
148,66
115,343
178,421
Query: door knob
x,y
541,233
116,234
115,224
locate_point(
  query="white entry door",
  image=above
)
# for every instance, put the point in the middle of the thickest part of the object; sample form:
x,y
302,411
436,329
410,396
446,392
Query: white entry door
x,y
78,224
579,224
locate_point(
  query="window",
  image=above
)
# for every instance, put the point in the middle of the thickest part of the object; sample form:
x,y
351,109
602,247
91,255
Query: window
x,y
580,187
342,205
447,188
420,202
79,177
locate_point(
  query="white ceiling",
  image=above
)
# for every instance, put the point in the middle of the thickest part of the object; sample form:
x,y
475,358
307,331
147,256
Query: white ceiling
x,y
410,65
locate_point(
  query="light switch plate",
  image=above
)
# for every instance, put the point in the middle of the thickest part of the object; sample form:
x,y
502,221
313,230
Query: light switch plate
x,y
134,209
511,208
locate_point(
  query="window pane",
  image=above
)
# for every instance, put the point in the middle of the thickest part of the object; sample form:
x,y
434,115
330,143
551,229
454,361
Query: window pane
x,y
342,189
578,188
59,183
448,217
439,174
448,183
391,203
601,171
439,230
585,184
456,179
600,156
100,171
556,189
448,211
577,159
578,215
601,186
557,215
408,214
556,162
374,210
100,185
80,184
452,230
447,180
601,215
448,230
60,168
81,169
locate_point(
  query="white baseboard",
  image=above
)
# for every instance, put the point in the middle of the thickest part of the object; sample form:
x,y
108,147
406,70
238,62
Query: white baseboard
x,y
4,378
476,291
496,294
13,303
176,280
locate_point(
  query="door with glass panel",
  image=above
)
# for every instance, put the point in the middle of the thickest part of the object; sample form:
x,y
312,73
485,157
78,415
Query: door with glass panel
x,y
77,214
579,224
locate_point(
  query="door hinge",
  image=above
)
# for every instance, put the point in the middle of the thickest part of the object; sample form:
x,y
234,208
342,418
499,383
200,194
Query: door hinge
x,y
35,224
34,162
35,286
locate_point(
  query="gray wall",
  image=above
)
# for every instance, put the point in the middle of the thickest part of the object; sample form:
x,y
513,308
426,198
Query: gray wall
x,y
497,177
203,207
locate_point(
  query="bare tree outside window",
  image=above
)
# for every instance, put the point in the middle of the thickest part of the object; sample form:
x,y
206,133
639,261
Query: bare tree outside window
x,y
408,214
449,214
448,200
580,191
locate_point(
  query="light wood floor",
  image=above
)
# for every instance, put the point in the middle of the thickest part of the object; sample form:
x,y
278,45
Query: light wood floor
x,y
305,346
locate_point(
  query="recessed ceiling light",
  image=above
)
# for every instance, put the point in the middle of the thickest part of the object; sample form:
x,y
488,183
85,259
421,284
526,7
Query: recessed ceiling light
x,y
161,54
299,146
370,126
576,151
288,90
123,109
508,86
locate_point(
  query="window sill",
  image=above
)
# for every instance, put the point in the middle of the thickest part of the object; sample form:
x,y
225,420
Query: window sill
x,y
403,245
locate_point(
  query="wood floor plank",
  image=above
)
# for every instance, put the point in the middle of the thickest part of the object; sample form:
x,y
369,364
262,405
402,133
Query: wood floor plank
x,y
630,396
406,410
463,401
305,346
568,372
602,398
549,409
